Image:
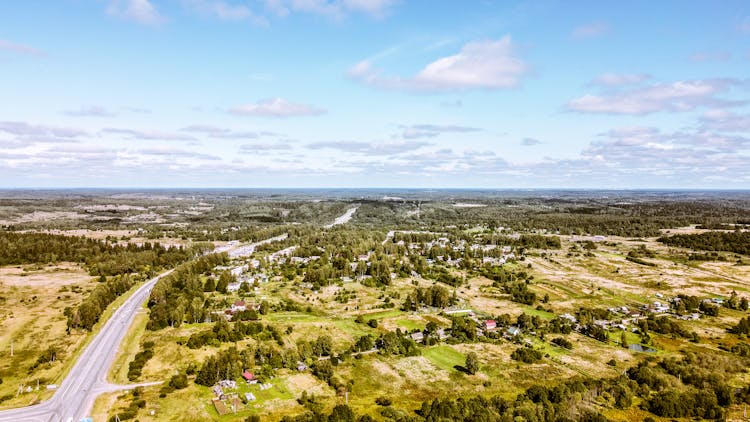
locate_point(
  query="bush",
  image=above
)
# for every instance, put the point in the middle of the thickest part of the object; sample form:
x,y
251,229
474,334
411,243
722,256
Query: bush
x,y
178,382
383,401
563,342
526,355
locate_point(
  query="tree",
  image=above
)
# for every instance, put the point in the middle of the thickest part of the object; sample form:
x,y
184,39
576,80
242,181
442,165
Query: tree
x,y
624,340
472,363
209,285
342,413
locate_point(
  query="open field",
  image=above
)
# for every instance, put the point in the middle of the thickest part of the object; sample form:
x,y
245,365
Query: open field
x,y
32,302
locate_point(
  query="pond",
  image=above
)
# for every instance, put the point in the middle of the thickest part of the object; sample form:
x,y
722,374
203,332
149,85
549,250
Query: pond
x,y
640,348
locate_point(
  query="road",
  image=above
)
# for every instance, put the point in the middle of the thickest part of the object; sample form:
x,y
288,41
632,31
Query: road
x,y
344,218
247,250
88,377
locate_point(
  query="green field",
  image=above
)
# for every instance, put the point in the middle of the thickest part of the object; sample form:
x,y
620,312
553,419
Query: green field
x,y
444,357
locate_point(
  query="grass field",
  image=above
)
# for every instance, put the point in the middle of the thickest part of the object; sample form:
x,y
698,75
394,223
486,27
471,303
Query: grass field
x,y
444,357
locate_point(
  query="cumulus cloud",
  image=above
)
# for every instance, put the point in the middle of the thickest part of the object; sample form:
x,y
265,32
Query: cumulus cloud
x,y
659,97
147,135
590,30
530,142
20,48
276,107
431,131
140,11
617,79
479,65
90,111
332,8
370,148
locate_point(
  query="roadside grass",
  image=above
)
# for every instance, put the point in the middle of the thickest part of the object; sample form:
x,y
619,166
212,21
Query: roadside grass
x,y
130,346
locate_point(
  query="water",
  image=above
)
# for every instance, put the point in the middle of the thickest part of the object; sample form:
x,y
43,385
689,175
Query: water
x,y
640,348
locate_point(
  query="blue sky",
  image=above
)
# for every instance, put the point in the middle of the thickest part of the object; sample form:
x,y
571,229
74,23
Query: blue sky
x,y
375,93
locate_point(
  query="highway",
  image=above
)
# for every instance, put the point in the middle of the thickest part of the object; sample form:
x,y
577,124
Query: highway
x,y
74,399
88,377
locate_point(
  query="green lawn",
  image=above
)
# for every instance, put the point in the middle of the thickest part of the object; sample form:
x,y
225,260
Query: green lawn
x,y
410,324
536,312
444,357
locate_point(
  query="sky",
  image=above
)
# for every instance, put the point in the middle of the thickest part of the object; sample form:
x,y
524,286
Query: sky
x,y
375,93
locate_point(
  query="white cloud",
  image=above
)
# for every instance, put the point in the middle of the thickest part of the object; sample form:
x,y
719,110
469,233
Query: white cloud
x,y
90,111
277,107
431,131
659,97
479,65
175,152
224,11
26,129
336,9
530,142
261,148
616,79
590,30
744,26
726,121
147,135
20,48
141,11
710,56
370,148
224,133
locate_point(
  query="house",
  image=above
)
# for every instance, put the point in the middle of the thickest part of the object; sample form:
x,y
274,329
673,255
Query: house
x,y
233,287
238,306
569,317
417,337
513,331
249,377
301,366
218,392
237,271
249,397
442,334
489,325
231,384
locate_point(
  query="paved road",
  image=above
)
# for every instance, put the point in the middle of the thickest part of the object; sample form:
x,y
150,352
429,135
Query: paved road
x,y
75,397
343,218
